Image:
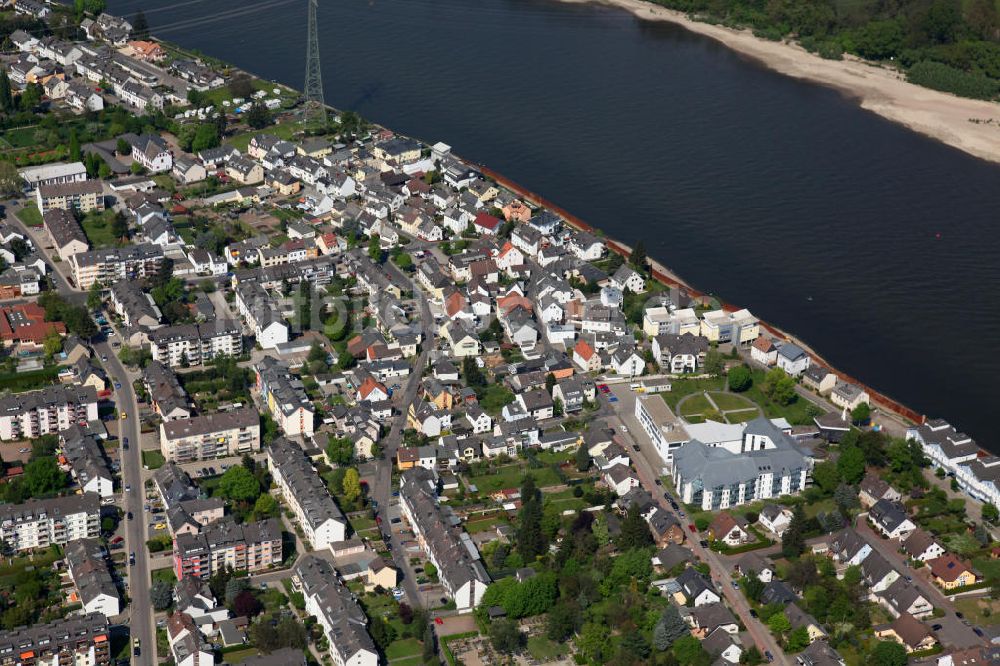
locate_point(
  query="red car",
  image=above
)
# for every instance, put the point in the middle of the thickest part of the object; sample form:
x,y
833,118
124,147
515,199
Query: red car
x,y
692,527
438,620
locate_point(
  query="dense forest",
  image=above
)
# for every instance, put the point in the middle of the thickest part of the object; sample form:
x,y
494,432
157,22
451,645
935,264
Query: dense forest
x,y
950,45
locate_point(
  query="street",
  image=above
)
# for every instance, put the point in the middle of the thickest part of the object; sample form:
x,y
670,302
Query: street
x,y
382,488
140,607
721,574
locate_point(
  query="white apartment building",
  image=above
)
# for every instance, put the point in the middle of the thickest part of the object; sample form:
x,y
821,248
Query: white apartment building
x,y
58,520
195,343
447,545
211,436
110,265
306,494
54,408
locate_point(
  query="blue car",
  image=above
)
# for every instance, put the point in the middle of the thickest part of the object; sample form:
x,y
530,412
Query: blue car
x,y
613,399
118,385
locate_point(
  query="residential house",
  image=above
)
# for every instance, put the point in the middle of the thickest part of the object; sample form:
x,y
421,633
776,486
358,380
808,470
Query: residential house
x,y
792,359
890,519
694,587
775,518
909,632
730,530
950,572
874,489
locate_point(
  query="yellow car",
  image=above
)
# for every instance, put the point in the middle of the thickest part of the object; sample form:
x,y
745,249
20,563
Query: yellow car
x,y
124,416
160,526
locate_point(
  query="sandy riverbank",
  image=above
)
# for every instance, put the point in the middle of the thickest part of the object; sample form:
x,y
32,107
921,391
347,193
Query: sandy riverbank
x,y
941,116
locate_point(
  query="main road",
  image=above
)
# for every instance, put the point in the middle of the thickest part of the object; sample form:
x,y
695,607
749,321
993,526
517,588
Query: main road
x,y
140,607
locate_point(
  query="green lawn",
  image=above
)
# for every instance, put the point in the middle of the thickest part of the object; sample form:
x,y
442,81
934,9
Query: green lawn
x,y
542,649
484,524
510,476
153,459
30,381
283,131
97,226
407,648
239,656
800,412
727,401
742,415
30,215
974,609
165,574
696,404
682,387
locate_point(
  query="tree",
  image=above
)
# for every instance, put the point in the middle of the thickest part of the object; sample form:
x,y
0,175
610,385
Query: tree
x,y
265,507
861,413
562,622
752,586
95,296
375,248
635,532
740,379
505,636
241,85
140,26
233,587
689,652
340,450
529,536
670,628
714,363
246,604
258,117
123,147
473,375
990,513
10,179
6,95
119,225
239,485
430,646
52,344
638,256
31,96
74,146
161,595
846,497
381,631
826,476
287,633
751,656
793,541
205,137
582,458
352,484
779,387
779,624
404,261
42,476
888,653
851,465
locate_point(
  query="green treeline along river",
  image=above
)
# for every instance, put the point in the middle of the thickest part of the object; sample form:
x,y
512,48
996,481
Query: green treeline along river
x,y
872,243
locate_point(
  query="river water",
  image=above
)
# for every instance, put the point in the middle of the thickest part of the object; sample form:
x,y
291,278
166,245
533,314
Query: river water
x,y
873,244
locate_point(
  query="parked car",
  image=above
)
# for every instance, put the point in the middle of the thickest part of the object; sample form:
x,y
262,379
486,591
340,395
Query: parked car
x,y
768,656
131,558
129,515
692,527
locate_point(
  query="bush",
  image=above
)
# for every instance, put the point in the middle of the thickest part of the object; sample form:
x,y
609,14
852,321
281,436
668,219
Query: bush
x,y
702,523
740,379
940,76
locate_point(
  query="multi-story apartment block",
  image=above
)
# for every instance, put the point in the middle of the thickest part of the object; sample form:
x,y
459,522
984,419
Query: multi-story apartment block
x,y
82,196
740,327
82,640
285,398
306,494
86,561
262,314
447,545
943,444
58,520
195,344
55,408
335,608
249,547
110,265
211,435
767,464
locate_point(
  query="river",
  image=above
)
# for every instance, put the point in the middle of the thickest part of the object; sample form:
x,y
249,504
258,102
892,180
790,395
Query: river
x,y
866,240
